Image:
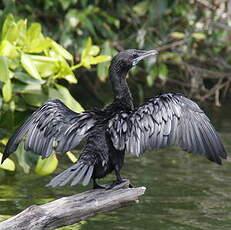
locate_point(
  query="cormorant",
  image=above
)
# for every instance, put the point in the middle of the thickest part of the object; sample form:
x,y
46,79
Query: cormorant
x,y
164,120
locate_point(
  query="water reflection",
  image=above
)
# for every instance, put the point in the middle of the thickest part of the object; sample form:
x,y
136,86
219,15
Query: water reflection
x,y
184,191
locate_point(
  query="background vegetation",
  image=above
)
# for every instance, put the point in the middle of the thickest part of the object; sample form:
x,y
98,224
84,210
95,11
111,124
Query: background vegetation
x,y
47,45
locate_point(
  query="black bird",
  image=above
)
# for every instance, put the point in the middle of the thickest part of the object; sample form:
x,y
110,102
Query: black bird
x,y
164,120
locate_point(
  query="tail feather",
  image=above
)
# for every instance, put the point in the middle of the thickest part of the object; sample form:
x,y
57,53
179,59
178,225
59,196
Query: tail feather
x,y
79,171
80,175
69,175
63,177
88,175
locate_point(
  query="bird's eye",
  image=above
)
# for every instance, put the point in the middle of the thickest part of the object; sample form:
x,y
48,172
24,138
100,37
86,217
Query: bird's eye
x,y
135,55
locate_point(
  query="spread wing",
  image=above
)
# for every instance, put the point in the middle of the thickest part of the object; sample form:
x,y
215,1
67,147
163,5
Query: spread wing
x,y
52,127
168,119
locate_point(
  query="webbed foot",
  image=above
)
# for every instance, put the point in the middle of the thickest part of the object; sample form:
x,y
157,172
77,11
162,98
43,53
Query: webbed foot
x,y
124,183
99,186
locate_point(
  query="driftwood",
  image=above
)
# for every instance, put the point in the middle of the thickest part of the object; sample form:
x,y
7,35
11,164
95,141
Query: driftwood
x,y
72,209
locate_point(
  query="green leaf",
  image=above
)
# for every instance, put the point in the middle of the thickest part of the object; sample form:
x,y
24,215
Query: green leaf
x,y
88,55
102,68
21,30
38,45
7,49
102,71
66,72
13,64
150,80
94,50
60,50
36,42
72,17
174,57
71,156
87,48
29,66
63,94
20,106
22,158
152,75
68,99
167,56
4,71
36,99
177,35
25,78
8,164
24,88
34,32
99,59
7,23
46,166
199,36
10,30
46,68
4,141
163,71
141,8
7,91
70,78
40,58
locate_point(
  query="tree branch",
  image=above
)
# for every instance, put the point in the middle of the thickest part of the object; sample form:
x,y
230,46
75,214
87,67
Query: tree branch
x,y
72,209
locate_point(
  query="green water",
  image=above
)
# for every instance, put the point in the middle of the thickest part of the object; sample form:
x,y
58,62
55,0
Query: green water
x,y
184,191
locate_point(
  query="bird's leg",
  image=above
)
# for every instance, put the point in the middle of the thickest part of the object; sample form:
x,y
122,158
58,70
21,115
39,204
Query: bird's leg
x,y
119,178
120,181
97,185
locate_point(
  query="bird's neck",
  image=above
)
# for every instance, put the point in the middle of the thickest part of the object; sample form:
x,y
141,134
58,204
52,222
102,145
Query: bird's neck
x,y
122,94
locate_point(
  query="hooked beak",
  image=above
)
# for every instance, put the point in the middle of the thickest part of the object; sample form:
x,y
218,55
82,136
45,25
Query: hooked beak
x,y
143,54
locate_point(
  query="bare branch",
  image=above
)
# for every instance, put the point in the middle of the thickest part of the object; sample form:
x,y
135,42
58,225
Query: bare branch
x,y
72,209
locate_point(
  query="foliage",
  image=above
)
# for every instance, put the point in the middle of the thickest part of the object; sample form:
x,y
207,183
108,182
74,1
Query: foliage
x,y
46,166
189,34
31,65
8,164
71,156
89,58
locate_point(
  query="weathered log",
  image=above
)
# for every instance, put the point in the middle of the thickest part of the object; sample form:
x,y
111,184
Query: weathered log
x,y
72,209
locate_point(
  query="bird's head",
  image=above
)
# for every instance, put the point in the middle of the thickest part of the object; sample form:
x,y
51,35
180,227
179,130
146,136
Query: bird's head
x,y
126,59
120,65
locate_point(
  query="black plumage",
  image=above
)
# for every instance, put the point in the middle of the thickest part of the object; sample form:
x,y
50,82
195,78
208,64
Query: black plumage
x,y
165,120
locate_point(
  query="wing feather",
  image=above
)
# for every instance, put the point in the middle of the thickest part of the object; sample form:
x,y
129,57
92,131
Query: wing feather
x,y
167,119
52,127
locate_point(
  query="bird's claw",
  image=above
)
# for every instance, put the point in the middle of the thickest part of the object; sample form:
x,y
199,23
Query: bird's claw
x,y
99,186
124,183
119,184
